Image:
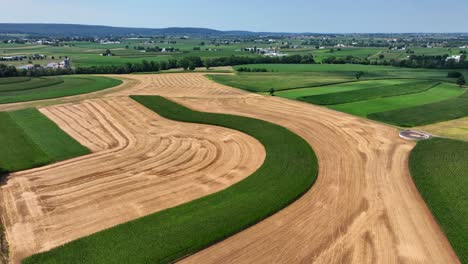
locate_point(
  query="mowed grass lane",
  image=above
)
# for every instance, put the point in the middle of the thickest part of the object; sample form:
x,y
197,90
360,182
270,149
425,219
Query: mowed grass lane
x,y
369,93
289,170
426,114
364,108
53,87
439,168
28,139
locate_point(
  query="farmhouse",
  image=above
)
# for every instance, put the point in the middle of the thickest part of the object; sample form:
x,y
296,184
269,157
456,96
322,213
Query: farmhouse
x,y
25,67
63,64
271,52
107,42
456,58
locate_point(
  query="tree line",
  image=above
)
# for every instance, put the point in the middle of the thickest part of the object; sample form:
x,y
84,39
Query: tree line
x,y
413,61
186,63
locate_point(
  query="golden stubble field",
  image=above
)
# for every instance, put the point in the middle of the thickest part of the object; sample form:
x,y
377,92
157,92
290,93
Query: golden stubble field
x,y
364,207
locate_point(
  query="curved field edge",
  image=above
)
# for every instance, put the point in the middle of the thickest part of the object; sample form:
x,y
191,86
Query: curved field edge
x,y
70,85
29,139
289,170
439,169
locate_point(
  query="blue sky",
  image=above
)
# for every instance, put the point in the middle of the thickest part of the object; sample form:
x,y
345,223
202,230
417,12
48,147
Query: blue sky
x,y
338,16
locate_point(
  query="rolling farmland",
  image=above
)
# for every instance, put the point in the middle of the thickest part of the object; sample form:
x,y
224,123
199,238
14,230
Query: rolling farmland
x,y
287,172
145,162
357,210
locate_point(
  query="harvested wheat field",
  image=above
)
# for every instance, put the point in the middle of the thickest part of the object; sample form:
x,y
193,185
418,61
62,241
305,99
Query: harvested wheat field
x,y
141,164
363,208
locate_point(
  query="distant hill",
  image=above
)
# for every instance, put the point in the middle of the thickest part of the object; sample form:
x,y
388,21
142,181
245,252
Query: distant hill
x,y
91,30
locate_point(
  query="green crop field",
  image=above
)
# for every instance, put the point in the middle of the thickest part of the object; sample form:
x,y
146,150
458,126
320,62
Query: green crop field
x,y
29,139
14,80
52,87
289,170
449,109
31,84
294,76
438,167
369,93
262,82
364,108
328,89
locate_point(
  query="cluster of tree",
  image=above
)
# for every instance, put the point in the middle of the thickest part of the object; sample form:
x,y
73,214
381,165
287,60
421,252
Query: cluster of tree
x,y
108,52
155,49
413,61
186,63
247,69
461,81
459,76
8,71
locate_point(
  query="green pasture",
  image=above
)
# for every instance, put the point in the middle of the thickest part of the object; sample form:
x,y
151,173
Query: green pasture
x,y
439,169
370,93
262,82
364,108
453,108
52,87
289,170
328,89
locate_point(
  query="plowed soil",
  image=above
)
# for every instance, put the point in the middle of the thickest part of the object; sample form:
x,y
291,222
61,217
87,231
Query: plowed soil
x,y
364,207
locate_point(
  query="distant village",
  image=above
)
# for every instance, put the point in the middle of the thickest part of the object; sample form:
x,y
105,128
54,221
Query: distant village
x,y
62,63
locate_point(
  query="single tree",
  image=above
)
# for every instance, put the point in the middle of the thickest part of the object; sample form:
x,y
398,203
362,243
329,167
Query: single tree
x,y
461,81
359,74
191,66
272,91
207,63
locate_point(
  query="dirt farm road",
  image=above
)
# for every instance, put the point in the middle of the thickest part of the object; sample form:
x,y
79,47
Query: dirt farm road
x,y
364,207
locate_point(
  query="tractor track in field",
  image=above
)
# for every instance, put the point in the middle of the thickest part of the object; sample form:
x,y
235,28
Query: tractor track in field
x,y
363,208
141,164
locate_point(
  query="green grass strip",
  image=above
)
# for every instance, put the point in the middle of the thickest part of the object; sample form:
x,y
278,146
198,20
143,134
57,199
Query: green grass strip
x,y
439,168
426,114
29,139
369,93
289,170
57,144
17,150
